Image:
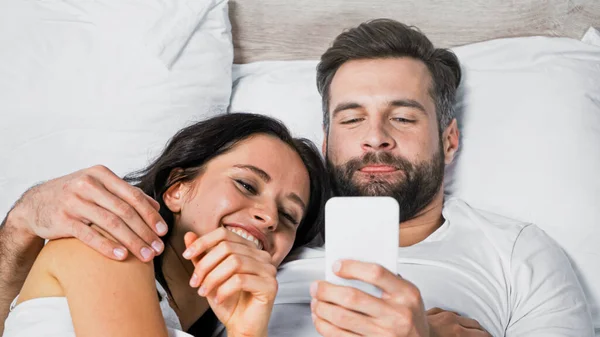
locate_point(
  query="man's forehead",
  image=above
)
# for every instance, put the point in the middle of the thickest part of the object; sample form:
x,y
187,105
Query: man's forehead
x,y
381,80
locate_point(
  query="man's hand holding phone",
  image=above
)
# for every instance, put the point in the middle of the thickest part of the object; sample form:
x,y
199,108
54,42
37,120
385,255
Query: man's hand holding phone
x,y
363,295
346,311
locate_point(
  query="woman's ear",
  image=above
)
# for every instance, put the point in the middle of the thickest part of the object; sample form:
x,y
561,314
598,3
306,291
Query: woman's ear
x,y
173,197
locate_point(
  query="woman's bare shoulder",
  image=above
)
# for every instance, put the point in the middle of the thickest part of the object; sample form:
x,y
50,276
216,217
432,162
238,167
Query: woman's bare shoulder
x,y
64,261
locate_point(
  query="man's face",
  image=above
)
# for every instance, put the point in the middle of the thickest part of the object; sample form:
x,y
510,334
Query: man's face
x,y
384,138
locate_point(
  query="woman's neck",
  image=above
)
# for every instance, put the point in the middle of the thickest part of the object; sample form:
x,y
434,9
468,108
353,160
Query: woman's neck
x,y
177,271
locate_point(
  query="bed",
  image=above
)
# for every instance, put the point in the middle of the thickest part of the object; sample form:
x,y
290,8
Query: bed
x,y
533,175
62,87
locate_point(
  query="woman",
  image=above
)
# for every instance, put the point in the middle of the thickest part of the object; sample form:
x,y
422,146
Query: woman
x,y
238,193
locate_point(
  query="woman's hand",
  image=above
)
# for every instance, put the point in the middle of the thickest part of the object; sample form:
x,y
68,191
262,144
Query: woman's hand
x,y
237,279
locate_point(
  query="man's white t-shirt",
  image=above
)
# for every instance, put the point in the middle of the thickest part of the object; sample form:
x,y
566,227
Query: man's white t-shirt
x,y
509,276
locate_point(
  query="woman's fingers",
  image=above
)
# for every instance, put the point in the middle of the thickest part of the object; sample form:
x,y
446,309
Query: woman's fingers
x,y
219,253
232,265
210,240
253,284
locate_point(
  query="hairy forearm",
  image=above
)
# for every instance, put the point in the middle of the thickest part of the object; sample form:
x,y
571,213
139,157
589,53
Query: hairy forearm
x,y
18,251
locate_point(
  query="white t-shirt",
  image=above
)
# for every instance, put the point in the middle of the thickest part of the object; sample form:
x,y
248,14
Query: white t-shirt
x,y
509,276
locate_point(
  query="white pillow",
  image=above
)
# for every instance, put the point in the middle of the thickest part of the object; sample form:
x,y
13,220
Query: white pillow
x,y
530,123
104,82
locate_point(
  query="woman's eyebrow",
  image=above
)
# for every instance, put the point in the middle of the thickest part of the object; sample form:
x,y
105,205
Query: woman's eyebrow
x,y
267,178
296,199
262,174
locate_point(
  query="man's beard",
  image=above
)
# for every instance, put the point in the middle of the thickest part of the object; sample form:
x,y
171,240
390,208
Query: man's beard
x,y
414,190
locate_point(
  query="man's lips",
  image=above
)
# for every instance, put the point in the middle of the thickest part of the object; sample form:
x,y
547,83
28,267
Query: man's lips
x,y
378,169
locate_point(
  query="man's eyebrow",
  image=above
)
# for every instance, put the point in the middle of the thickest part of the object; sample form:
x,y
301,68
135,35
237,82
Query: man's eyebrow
x,y
262,174
400,103
407,103
345,106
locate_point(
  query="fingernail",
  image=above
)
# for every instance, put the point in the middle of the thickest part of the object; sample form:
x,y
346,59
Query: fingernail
x,y
157,246
146,253
161,228
188,253
313,303
313,289
202,291
119,253
314,317
216,300
194,280
337,265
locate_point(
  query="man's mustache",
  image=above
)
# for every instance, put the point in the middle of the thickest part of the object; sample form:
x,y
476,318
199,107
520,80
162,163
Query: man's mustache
x,y
378,158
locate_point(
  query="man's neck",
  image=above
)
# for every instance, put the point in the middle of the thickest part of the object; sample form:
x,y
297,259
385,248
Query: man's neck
x,y
427,221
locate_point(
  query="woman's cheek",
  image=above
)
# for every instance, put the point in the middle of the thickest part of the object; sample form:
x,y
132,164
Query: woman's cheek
x,y
283,245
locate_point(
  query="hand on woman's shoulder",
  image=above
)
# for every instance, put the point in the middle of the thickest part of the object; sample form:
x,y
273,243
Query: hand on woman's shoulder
x,y
105,297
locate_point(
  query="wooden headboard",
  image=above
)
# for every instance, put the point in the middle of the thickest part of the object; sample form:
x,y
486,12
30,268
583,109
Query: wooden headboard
x,y
303,29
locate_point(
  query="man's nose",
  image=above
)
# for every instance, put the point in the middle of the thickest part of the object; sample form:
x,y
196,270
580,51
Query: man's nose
x,y
377,138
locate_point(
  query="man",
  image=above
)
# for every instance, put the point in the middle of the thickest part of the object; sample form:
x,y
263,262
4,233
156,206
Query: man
x,y
390,130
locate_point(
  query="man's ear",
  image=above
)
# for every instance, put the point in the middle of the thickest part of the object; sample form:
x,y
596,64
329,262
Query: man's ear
x,y
450,141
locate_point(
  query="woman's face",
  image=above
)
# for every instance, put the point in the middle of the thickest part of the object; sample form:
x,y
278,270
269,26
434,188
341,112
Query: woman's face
x,y
260,189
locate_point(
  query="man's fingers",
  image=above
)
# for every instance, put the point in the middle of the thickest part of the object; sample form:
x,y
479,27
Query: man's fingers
x,y
327,329
153,202
115,228
97,193
133,196
350,298
345,319
393,286
96,241
434,311
469,323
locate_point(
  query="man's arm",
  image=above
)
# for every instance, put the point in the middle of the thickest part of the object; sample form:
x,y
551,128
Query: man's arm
x,y
547,299
18,250
66,207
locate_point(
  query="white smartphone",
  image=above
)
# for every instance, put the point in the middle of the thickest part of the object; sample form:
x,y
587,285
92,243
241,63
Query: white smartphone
x,y
364,229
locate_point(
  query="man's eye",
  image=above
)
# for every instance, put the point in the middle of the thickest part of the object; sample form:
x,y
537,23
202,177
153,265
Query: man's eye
x,y
246,186
402,120
351,121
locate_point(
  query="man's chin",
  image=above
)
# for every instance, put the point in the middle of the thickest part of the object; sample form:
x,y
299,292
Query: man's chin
x,y
364,179
374,187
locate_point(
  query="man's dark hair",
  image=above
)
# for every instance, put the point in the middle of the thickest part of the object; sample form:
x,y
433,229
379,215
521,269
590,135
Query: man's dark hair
x,y
385,38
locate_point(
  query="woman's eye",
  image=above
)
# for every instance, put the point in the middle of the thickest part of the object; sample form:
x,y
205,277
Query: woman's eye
x,y
290,218
246,186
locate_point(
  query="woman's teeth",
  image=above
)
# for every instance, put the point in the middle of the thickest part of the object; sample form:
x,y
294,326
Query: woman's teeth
x,y
241,232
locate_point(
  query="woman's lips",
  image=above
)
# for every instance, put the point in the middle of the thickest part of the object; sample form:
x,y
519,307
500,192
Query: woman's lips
x,y
378,169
